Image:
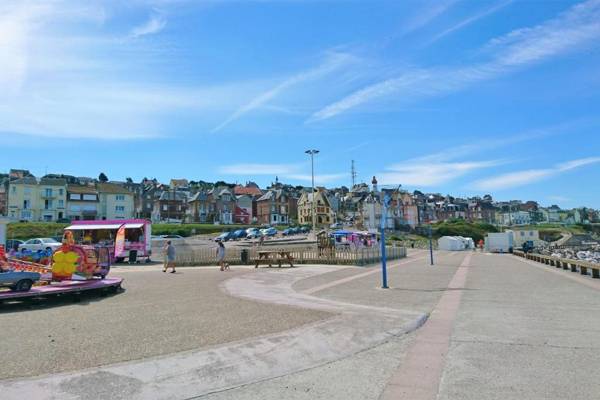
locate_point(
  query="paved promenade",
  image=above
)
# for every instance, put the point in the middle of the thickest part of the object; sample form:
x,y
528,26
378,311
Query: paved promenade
x,y
474,326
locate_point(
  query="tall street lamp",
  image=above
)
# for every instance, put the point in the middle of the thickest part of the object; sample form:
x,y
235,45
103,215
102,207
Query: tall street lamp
x,y
312,154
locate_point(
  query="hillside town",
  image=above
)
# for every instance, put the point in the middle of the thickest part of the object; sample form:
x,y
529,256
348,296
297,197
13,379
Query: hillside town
x,y
64,198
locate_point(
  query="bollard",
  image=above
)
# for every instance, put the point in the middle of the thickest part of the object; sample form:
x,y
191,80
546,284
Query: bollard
x,y
583,270
596,273
566,266
573,267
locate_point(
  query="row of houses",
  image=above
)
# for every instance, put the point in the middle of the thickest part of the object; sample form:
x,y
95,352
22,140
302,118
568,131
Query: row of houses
x,y
59,197
23,197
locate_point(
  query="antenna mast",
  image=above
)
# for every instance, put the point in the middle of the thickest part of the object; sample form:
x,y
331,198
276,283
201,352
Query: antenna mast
x,y
353,173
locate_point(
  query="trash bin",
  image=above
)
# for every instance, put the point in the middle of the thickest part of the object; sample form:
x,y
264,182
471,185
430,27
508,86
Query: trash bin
x,y
245,256
132,256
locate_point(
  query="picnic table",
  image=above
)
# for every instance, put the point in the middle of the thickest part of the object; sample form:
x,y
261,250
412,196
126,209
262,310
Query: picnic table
x,y
274,256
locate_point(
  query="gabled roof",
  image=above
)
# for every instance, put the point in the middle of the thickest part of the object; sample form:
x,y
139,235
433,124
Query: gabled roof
x,y
197,197
267,196
53,181
251,190
28,180
81,189
112,188
173,196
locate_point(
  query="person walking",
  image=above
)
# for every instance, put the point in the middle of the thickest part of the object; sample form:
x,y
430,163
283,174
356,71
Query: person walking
x,y
221,255
169,254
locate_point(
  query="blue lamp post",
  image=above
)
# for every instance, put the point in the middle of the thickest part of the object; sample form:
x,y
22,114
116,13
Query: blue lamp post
x,y
384,205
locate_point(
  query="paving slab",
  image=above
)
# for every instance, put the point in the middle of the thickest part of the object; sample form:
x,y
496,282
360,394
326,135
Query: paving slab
x,y
523,333
184,375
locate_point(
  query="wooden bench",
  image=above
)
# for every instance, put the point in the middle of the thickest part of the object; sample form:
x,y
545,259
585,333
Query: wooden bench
x,y
274,257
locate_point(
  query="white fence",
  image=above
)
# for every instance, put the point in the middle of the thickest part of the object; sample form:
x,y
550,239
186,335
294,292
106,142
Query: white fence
x,y
308,255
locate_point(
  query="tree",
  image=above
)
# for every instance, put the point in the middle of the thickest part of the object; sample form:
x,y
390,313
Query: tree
x,y
129,180
102,177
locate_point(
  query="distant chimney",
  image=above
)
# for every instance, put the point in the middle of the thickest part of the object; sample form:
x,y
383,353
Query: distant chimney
x,y
374,182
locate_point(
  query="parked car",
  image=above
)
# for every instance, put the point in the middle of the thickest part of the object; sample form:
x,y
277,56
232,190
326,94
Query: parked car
x,y
239,234
41,244
305,229
269,232
171,237
13,244
19,281
287,232
336,225
225,236
252,233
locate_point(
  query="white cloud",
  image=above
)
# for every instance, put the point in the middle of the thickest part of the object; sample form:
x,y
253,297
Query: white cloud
x,y
579,26
470,20
319,178
430,11
420,173
526,177
155,24
289,171
259,169
331,64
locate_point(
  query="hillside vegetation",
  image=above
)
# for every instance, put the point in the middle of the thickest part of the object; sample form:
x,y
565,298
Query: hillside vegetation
x,y
28,230
459,227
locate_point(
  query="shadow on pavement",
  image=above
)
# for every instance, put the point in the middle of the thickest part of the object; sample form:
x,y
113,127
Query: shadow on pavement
x,y
40,303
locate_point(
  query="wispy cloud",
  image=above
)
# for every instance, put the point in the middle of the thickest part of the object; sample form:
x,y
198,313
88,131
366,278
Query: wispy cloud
x,y
469,20
414,173
259,169
289,171
446,166
578,26
526,177
331,64
429,11
154,24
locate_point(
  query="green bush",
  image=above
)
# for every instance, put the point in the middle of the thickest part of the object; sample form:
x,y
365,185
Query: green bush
x,y
474,230
28,230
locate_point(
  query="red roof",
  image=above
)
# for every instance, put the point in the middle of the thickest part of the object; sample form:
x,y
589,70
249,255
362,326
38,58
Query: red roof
x,y
253,191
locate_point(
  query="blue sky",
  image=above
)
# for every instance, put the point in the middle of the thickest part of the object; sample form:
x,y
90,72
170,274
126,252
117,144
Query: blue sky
x,y
461,97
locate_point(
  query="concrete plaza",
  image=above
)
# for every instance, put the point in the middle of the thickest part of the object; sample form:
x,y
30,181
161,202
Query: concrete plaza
x,y
474,326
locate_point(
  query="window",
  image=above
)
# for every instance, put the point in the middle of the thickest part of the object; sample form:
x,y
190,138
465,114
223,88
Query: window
x,y
74,196
61,192
26,204
531,233
14,189
165,207
522,233
47,204
48,193
120,197
75,208
91,197
61,203
120,208
47,218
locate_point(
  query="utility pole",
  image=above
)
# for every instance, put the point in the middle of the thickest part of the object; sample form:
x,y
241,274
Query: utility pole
x,y
312,154
353,174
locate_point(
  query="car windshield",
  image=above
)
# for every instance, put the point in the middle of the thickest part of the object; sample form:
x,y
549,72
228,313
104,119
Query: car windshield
x,y
48,240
